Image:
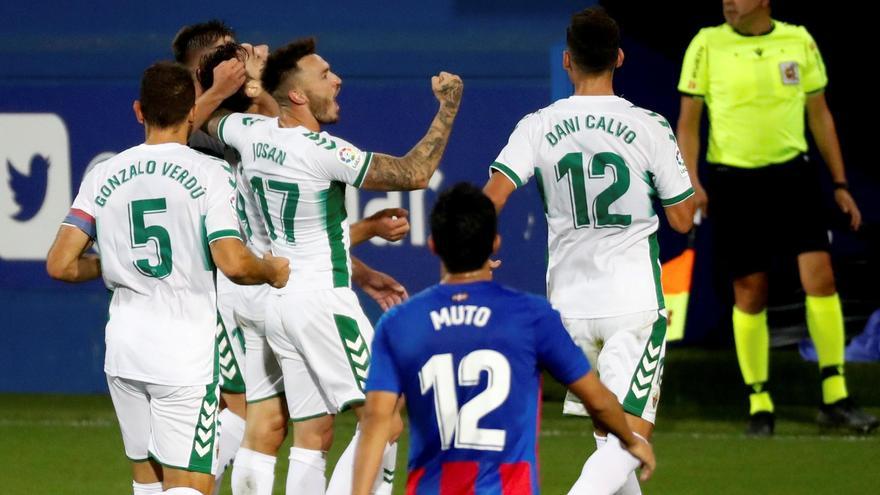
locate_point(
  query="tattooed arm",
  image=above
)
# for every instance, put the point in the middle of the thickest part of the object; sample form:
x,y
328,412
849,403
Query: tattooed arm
x,y
414,170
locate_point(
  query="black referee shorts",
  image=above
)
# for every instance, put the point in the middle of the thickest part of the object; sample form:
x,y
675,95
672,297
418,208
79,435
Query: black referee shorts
x,y
761,215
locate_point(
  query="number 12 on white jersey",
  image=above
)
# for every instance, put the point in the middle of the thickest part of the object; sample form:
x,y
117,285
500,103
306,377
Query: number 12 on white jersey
x,y
461,424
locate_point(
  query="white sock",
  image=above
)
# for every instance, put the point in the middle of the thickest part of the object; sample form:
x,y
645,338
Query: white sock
x,y
146,488
341,480
606,470
385,480
253,473
182,490
230,440
306,473
600,441
631,487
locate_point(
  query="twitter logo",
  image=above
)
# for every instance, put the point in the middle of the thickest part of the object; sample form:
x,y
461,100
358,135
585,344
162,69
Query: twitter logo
x,y
35,183
29,190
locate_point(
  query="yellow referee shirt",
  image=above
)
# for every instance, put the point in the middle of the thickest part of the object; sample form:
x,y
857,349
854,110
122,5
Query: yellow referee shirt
x,y
755,88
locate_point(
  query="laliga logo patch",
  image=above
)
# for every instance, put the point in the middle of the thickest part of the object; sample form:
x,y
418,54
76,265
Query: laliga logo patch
x,y
350,156
791,74
682,168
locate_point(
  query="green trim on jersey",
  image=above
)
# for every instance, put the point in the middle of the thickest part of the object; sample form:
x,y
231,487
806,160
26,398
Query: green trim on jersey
x,y
334,214
220,130
350,405
363,173
202,457
306,418
232,380
356,348
650,364
539,178
222,234
510,174
678,199
207,259
655,267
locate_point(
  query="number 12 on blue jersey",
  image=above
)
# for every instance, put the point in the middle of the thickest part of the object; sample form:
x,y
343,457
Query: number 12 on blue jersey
x,y
459,425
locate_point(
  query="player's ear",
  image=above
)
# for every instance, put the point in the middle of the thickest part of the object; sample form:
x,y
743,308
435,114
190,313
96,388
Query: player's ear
x,y
431,245
138,114
297,97
619,58
496,244
566,60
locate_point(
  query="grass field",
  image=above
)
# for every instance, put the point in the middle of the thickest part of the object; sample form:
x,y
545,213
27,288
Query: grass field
x,y
54,444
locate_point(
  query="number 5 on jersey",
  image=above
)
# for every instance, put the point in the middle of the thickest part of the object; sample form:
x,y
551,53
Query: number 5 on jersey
x,y
461,424
141,235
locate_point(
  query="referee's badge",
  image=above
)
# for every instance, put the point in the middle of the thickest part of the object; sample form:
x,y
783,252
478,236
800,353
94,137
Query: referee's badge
x,y
791,74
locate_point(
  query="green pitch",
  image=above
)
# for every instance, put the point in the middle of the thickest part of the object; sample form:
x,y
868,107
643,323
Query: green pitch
x,y
71,445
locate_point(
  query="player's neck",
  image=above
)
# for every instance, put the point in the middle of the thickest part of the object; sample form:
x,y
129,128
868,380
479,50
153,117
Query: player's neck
x,y
482,274
296,117
758,24
179,134
594,86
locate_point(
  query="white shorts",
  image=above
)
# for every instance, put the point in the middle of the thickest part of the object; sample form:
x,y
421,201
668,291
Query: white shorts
x,y
262,373
628,353
230,342
175,426
322,339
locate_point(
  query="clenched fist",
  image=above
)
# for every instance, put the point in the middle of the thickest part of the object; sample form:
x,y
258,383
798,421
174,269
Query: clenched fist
x,y
447,88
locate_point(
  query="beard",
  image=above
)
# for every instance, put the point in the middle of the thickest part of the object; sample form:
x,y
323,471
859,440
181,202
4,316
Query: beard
x,y
323,109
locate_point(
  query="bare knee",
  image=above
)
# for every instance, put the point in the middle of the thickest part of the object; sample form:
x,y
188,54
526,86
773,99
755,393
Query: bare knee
x,y
750,292
314,434
817,274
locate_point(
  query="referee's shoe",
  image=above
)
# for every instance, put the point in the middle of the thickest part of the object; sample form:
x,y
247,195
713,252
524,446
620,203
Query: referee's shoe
x,y
845,414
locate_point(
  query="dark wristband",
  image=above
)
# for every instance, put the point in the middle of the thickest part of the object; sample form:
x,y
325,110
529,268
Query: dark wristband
x,y
841,185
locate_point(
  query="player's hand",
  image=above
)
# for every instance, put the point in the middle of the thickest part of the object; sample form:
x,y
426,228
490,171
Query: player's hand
x,y
279,270
254,65
848,205
390,224
701,199
229,75
642,450
447,88
386,291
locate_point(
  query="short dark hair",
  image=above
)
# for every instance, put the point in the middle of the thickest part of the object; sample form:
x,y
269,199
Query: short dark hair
x,y
168,93
593,40
463,227
239,101
198,36
282,63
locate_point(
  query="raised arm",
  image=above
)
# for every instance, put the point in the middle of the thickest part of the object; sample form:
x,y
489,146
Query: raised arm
x,y
824,132
414,170
228,77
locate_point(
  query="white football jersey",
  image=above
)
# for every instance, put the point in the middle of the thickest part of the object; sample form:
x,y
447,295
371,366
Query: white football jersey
x,y
154,210
298,179
598,161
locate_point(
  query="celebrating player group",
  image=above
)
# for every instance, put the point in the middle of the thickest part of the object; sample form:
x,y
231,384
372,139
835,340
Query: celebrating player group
x,y
225,242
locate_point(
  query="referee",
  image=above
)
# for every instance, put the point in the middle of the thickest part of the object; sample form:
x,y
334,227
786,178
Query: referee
x,y
757,75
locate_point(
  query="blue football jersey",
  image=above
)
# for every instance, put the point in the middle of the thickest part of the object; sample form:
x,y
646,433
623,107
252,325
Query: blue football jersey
x,y
468,358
